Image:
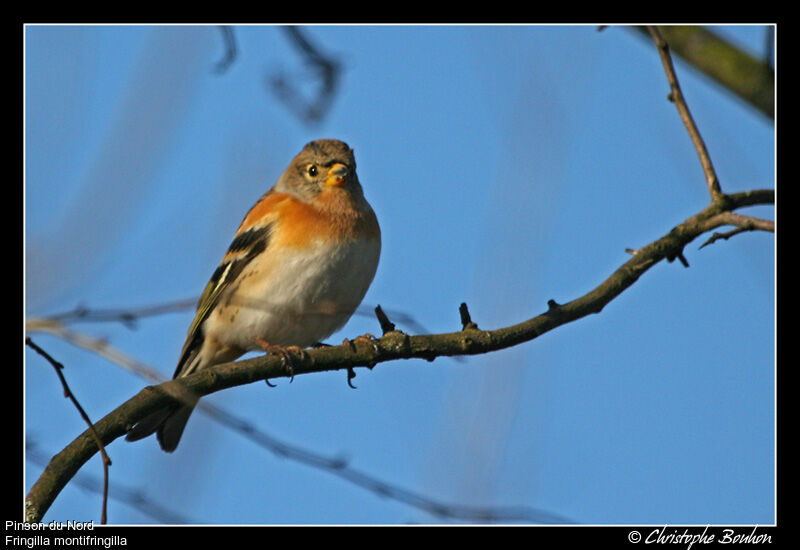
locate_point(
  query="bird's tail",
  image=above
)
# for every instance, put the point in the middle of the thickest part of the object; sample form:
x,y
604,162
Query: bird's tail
x,y
168,423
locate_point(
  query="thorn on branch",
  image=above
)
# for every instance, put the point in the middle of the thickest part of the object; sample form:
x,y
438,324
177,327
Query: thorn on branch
x,y
386,324
679,255
129,320
466,320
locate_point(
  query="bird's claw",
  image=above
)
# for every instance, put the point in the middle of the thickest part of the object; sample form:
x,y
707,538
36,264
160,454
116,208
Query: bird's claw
x,y
350,375
364,338
285,353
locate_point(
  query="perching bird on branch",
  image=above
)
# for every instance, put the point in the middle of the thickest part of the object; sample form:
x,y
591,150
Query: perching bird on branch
x,y
298,267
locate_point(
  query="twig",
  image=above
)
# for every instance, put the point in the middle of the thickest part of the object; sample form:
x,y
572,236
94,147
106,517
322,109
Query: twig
x,y
725,236
229,40
95,345
126,316
676,96
68,394
327,69
390,347
747,222
129,316
339,467
743,223
466,320
386,324
748,77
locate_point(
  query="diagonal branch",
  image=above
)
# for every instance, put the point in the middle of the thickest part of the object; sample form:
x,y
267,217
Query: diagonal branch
x,y
392,346
743,224
71,396
748,223
750,78
676,96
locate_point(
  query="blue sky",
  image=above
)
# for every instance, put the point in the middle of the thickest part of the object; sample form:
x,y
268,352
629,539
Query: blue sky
x,y
507,166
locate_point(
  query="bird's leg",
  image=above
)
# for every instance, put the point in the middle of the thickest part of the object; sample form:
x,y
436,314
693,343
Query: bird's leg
x,y
285,353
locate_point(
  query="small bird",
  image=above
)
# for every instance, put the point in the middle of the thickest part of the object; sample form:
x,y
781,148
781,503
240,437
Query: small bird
x,y
298,267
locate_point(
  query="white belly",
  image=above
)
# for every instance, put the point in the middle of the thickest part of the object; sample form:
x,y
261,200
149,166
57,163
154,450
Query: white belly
x,y
309,297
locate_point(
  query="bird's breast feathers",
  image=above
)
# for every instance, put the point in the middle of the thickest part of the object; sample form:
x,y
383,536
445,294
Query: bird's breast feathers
x,y
304,285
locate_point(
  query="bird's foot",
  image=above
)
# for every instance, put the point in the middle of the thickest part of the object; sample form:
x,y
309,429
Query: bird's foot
x,y
364,338
285,353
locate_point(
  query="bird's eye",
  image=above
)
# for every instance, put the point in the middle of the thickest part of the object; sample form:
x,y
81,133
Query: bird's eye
x,y
313,170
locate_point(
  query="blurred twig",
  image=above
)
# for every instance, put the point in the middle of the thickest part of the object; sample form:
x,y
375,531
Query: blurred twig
x,y
326,71
134,498
129,316
339,467
229,41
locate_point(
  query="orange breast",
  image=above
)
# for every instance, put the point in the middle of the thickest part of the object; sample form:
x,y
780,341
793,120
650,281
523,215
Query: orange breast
x,y
334,215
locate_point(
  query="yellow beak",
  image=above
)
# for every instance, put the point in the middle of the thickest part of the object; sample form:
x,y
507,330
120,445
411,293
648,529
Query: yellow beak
x,y
336,175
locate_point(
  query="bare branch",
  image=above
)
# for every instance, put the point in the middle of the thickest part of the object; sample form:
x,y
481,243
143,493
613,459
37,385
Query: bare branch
x,y
743,223
392,346
68,394
748,223
749,78
676,96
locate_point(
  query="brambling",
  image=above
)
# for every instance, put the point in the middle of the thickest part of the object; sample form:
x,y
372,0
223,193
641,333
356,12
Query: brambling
x,y
298,267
